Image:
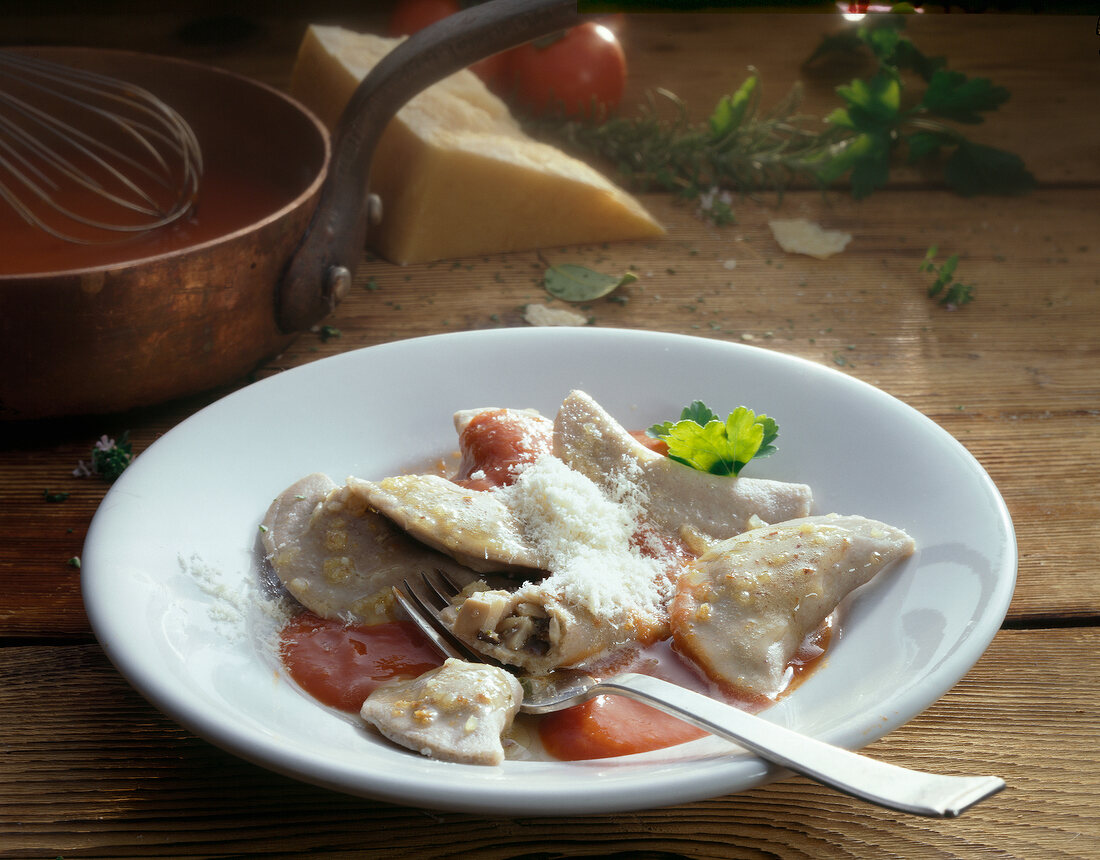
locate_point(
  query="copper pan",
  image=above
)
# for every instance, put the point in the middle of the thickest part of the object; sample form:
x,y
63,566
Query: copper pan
x,y
281,223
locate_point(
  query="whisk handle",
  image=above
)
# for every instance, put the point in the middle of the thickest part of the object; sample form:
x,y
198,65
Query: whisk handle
x,y
320,269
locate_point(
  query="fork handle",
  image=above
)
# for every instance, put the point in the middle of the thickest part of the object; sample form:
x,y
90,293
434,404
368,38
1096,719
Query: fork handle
x,y
880,783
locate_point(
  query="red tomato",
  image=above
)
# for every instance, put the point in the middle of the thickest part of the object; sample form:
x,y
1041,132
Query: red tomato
x,y
410,16
492,70
610,726
340,664
579,72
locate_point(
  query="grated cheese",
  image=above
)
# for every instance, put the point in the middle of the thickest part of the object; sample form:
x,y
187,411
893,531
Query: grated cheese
x,y
584,538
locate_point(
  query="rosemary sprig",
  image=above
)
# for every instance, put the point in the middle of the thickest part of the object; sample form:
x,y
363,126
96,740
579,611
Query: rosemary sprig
x,y
739,147
746,149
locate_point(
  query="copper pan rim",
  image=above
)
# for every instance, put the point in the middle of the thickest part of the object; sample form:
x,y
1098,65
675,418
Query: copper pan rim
x,y
214,74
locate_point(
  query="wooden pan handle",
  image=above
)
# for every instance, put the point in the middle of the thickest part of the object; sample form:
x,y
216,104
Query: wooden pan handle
x,y
321,268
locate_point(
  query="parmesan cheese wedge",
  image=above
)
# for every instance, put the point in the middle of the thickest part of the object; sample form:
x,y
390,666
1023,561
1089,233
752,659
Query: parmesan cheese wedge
x,y
456,174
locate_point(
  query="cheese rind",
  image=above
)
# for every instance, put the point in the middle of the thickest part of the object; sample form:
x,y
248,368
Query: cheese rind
x,y
456,174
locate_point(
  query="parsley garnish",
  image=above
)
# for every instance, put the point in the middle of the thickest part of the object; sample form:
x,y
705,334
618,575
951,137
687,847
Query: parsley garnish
x,y
703,441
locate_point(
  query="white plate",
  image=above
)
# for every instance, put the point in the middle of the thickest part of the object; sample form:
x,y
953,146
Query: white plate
x,y
172,549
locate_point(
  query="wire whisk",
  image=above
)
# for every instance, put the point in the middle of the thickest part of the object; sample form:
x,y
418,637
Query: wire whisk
x,y
89,158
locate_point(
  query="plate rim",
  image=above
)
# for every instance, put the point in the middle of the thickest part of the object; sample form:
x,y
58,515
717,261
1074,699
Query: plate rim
x,y
682,789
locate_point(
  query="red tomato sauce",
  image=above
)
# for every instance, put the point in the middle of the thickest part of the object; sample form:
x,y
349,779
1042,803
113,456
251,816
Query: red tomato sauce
x,y
341,664
611,726
658,445
496,444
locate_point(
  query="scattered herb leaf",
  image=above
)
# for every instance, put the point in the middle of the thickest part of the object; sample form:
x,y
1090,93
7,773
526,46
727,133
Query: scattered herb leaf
x,y
703,441
54,497
574,283
74,562
328,332
951,293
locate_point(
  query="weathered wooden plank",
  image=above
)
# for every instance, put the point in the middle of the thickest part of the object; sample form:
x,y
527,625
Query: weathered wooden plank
x,y
90,770
1013,375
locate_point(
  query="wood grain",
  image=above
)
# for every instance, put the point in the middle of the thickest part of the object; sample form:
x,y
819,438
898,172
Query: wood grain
x,y
89,769
1013,375
93,771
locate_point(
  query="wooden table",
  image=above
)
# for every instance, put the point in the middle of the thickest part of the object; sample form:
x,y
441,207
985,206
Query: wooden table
x,y
89,769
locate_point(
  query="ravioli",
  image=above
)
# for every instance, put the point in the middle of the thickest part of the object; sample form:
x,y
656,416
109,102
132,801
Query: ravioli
x,y
337,557
538,629
603,587
455,713
742,610
617,545
676,497
471,526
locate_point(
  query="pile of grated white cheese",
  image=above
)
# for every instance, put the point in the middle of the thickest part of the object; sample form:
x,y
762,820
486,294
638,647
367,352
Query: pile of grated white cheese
x,y
586,540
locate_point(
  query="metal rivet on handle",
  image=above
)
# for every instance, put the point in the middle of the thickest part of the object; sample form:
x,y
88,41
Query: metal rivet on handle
x,y
338,284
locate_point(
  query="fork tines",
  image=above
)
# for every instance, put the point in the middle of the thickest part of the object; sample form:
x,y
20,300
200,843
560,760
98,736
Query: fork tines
x,y
424,613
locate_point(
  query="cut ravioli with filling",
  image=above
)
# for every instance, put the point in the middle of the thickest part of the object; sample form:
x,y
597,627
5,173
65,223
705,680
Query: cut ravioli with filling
x,y
743,608
455,713
604,588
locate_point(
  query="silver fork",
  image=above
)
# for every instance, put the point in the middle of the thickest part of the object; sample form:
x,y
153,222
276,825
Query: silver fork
x,y
886,785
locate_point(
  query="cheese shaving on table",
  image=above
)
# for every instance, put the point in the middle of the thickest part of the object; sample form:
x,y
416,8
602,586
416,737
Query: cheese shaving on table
x,y
545,315
799,236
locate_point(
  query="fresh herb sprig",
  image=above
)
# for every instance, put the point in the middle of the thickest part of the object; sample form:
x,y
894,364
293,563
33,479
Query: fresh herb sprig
x,y
877,118
744,148
109,458
951,292
703,441
740,146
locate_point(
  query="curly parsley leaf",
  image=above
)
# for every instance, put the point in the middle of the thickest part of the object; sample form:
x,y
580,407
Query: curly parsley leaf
x,y
978,169
875,119
706,443
730,110
952,95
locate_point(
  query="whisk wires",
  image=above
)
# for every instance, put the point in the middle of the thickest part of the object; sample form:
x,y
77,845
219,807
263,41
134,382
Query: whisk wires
x,y
90,158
